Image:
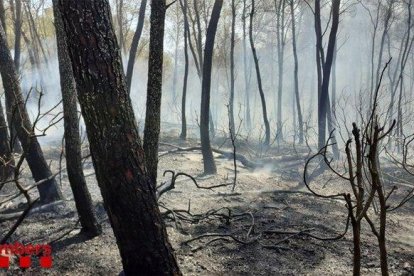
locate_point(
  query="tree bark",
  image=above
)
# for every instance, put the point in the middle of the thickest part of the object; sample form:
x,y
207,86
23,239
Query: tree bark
x,y
296,72
135,43
154,87
232,77
83,200
259,77
49,191
208,159
184,8
118,157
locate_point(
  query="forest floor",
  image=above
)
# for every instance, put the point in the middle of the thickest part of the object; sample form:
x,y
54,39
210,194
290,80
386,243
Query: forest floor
x,y
270,198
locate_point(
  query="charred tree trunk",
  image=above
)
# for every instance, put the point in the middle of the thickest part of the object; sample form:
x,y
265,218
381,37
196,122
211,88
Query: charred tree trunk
x,y
245,66
49,191
259,77
135,43
154,87
6,158
184,7
118,157
296,72
232,77
326,65
16,10
208,159
83,200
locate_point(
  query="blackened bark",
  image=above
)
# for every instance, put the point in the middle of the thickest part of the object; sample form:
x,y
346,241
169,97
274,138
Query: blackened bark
x,y
154,87
259,77
326,65
118,157
83,200
296,72
245,71
208,159
184,7
135,43
17,34
49,191
232,77
6,158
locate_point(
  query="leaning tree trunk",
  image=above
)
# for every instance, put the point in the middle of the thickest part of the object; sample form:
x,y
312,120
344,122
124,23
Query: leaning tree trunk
x,y
16,10
208,159
245,71
154,87
134,45
259,78
184,7
49,190
118,157
83,200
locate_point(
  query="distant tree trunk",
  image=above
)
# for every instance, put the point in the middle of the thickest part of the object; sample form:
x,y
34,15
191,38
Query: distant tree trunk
x,y
120,20
175,73
296,72
245,66
83,200
154,87
184,7
208,159
118,157
280,31
135,43
232,77
17,34
49,191
3,15
259,77
333,110
7,161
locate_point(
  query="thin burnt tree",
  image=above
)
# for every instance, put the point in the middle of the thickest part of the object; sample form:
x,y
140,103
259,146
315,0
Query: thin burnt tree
x,y
154,87
49,190
134,45
184,7
259,77
83,200
208,159
118,157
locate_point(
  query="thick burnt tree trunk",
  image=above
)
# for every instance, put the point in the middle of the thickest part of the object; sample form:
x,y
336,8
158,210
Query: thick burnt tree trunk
x,y
118,157
83,200
49,190
134,45
154,87
208,159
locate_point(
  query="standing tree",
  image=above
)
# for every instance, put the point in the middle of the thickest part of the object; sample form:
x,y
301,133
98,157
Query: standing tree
x,y
184,7
118,157
208,159
296,71
154,87
83,200
259,77
135,42
49,190
232,77
324,66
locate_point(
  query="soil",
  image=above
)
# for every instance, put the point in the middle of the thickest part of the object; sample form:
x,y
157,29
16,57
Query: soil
x,y
269,198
